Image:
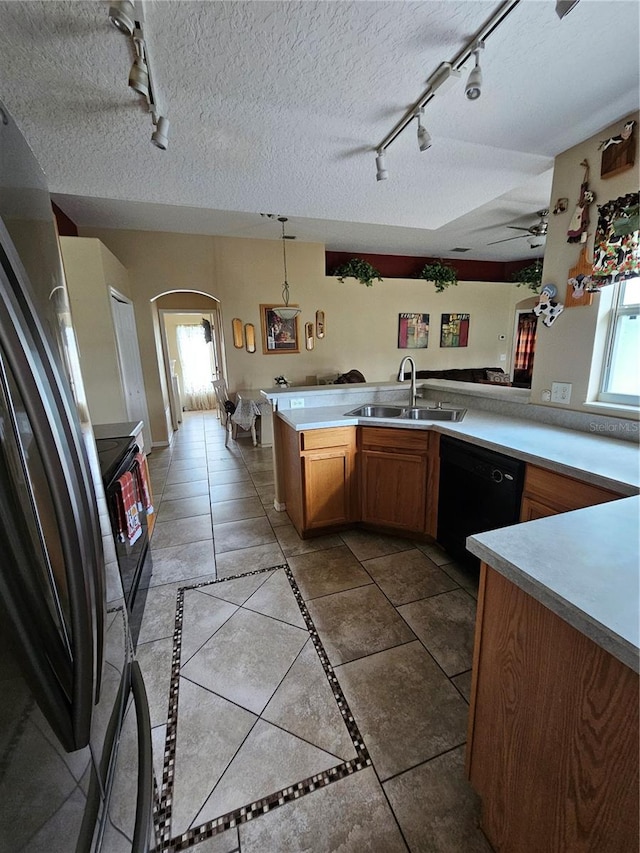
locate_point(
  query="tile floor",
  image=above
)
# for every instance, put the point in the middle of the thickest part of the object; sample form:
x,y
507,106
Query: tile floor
x,y
305,695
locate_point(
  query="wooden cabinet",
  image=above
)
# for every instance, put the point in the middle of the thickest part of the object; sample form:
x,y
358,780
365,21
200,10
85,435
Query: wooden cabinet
x,y
319,476
393,477
548,493
553,731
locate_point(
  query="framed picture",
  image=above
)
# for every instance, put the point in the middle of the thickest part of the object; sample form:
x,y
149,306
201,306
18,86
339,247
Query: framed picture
x,y
278,335
413,331
454,330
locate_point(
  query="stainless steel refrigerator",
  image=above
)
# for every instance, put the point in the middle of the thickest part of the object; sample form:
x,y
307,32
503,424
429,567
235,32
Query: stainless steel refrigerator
x,y
75,740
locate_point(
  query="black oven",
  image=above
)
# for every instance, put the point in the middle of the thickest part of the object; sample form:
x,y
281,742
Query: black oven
x,y
117,456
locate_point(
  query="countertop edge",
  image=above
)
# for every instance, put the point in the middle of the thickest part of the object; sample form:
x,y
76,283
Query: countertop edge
x,y
604,635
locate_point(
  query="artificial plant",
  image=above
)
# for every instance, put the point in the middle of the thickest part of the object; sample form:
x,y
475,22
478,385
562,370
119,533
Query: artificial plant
x,y
530,277
358,269
442,275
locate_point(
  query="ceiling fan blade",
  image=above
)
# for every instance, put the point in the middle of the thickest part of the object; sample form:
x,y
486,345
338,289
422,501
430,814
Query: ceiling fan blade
x,y
518,228
506,240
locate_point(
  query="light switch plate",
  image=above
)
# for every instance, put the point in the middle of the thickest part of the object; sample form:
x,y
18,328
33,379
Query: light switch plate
x,y
561,392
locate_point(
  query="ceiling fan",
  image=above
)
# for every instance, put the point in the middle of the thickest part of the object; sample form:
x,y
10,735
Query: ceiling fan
x,y
537,233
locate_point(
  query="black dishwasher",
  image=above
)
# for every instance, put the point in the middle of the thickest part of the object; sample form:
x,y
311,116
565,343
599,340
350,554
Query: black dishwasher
x,y
479,490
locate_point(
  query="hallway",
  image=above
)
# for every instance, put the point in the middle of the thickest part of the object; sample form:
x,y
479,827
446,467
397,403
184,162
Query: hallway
x,y
306,695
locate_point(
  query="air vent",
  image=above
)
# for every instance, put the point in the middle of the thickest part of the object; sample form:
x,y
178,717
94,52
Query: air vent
x,y
461,249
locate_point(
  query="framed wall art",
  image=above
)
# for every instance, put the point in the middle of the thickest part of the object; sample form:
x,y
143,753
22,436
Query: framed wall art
x,y
278,335
413,331
454,330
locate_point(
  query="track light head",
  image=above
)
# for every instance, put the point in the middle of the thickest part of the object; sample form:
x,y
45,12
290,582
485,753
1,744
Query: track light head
x,y
160,136
122,15
381,166
424,137
139,74
139,77
473,89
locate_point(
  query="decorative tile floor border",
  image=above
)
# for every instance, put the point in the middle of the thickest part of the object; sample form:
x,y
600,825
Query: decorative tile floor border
x,y
278,798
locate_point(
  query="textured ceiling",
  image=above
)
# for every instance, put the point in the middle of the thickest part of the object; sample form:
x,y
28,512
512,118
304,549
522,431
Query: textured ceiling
x,y
278,107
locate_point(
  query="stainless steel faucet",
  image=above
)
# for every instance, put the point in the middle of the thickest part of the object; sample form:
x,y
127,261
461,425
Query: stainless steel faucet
x,y
412,364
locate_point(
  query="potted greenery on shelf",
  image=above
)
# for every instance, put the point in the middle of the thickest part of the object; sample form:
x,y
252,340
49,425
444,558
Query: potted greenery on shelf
x,y
442,275
530,277
358,269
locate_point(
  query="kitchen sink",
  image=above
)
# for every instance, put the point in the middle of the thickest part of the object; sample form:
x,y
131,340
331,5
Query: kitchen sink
x,y
413,414
375,411
424,414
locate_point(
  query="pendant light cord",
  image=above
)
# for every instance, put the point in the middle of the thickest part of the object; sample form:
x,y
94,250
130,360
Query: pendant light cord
x,y
285,289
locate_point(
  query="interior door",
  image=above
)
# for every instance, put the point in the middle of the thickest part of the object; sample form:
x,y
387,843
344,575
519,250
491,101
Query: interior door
x,y
124,322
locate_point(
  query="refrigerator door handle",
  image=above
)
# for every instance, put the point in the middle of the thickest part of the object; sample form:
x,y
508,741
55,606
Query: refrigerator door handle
x,y
144,808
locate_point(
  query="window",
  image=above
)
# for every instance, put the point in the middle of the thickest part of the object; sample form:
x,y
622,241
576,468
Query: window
x,y
621,376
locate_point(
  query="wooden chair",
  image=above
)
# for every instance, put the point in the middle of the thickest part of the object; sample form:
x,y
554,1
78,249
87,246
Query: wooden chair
x,y
225,407
227,410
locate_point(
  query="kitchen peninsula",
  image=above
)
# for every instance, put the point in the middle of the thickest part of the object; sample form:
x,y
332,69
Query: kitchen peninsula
x,y
553,725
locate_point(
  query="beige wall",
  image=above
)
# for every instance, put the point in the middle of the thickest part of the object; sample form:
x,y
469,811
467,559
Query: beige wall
x,y
361,323
158,263
571,349
90,270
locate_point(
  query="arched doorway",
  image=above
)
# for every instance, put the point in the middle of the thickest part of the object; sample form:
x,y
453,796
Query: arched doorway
x,y
192,352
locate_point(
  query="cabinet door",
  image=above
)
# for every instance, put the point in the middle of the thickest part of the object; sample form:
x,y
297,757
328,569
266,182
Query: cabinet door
x,y
548,493
393,489
532,509
327,483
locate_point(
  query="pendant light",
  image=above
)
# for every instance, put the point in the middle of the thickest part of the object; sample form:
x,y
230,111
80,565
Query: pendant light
x,y
285,312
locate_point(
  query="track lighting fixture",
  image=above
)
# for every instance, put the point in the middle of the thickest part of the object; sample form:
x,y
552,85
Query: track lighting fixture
x,y
424,137
381,166
473,89
563,7
160,136
122,15
445,77
285,312
139,74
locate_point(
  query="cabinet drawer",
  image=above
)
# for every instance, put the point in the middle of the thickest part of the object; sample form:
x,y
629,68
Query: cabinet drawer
x,y
561,492
395,439
316,439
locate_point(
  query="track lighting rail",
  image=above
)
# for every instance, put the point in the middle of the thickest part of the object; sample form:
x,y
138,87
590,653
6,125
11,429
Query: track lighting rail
x,y
456,64
123,16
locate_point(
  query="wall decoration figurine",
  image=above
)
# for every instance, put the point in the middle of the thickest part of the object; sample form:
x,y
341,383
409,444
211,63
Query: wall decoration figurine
x,y
616,255
547,308
618,152
413,331
454,330
580,284
560,206
579,224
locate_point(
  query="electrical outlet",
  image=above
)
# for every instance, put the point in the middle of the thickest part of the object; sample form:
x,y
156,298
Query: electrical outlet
x,y
503,356
297,402
560,392
546,396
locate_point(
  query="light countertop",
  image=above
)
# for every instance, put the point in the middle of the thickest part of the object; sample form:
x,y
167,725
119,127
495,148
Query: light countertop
x,y
597,459
600,597
117,430
582,565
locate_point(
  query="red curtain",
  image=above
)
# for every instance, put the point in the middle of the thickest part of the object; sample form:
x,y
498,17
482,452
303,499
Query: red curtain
x,y
526,343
